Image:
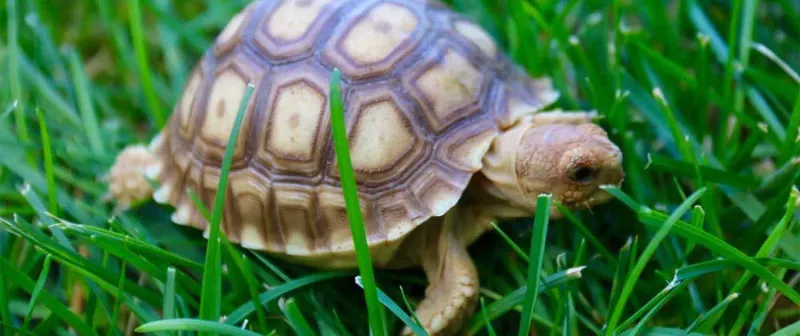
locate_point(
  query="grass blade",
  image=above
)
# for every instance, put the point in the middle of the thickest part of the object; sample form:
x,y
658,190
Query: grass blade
x,y
712,312
212,273
215,328
11,107
15,83
671,294
295,317
508,302
275,292
48,165
489,328
792,330
354,215
119,298
36,290
722,248
394,308
169,295
82,89
648,252
22,281
252,287
792,132
510,242
649,306
769,246
538,242
145,73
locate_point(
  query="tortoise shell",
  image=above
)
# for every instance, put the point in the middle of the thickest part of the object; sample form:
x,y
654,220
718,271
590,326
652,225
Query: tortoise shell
x,y
425,92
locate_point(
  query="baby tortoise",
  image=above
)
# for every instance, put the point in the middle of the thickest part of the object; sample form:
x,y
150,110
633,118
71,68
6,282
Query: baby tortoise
x,y
439,120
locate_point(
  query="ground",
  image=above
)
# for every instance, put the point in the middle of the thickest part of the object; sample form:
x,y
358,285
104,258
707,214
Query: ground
x,y
702,96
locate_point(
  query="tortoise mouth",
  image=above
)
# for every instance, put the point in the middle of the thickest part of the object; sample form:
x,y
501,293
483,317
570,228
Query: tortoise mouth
x,y
595,197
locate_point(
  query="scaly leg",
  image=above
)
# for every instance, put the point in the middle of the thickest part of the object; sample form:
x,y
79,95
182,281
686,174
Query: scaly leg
x,y
127,182
452,293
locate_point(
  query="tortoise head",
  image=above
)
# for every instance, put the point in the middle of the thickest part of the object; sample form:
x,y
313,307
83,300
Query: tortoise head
x,y
570,161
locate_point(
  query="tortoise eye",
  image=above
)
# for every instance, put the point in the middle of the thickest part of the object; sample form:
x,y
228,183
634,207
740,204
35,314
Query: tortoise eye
x,y
582,174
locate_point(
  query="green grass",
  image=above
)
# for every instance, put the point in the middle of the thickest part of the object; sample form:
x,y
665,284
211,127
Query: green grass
x,y
702,238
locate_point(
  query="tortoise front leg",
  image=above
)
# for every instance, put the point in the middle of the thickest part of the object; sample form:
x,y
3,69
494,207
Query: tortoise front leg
x,y
452,293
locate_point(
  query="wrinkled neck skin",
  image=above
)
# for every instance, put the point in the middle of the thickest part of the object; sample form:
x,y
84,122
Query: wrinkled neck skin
x,y
485,204
498,181
495,193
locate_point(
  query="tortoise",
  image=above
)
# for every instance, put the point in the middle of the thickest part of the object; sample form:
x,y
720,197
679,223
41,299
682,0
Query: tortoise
x,y
446,133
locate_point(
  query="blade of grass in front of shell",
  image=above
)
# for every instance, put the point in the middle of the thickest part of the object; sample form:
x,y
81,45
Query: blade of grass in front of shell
x,y
203,326
633,276
538,242
212,272
354,216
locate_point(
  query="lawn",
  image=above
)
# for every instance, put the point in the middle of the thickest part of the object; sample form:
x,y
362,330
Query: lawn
x,y
703,97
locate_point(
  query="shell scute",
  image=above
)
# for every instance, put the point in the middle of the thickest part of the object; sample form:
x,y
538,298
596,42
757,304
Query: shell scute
x,y
377,39
220,106
448,86
385,139
251,193
291,28
296,121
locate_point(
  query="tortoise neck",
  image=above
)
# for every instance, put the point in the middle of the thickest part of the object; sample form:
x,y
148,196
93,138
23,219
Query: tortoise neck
x,y
484,194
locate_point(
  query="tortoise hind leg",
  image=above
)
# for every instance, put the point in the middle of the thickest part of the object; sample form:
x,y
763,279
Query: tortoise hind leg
x,y
127,182
452,293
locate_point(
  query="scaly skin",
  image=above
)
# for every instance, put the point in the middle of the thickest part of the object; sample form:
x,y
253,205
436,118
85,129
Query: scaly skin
x,y
127,182
452,293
